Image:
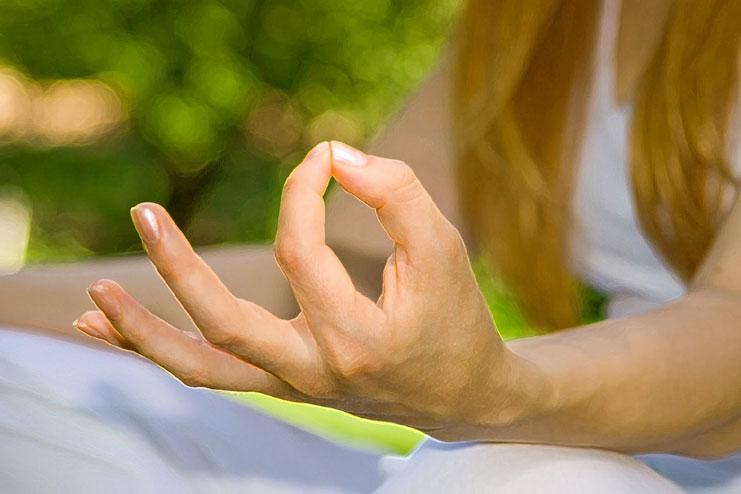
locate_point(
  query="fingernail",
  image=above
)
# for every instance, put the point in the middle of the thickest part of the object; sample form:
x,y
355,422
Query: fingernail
x,y
87,329
146,223
105,299
320,148
344,154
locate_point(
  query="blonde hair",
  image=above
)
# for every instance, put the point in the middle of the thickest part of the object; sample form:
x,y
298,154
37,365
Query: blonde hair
x,y
522,86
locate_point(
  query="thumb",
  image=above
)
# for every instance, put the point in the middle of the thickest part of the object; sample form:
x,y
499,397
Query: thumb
x,y
405,209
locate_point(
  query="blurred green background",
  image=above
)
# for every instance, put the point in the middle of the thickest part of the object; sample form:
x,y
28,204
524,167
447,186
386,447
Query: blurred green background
x,y
203,106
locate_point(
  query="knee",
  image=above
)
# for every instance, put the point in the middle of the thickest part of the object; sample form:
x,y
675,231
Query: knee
x,y
519,468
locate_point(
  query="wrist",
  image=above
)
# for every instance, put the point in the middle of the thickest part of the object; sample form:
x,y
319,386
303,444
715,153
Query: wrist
x,y
525,394
516,392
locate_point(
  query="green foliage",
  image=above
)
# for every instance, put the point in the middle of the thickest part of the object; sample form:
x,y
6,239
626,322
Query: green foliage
x,y
81,196
511,323
215,92
222,99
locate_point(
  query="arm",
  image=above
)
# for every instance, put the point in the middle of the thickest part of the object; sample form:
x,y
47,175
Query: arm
x,y
666,380
428,354
50,297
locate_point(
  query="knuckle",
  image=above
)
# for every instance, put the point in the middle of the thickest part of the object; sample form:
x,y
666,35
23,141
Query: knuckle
x,y
223,338
194,378
405,341
405,180
290,184
171,267
318,389
356,365
288,253
399,177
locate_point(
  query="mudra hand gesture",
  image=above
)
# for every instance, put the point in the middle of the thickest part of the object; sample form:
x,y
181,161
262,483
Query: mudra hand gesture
x,y
427,354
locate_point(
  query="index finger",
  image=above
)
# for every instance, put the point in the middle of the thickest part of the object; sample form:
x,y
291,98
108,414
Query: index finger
x,y
241,327
320,282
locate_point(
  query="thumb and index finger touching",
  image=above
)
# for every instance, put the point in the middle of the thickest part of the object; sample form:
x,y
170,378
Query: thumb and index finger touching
x,y
322,286
404,208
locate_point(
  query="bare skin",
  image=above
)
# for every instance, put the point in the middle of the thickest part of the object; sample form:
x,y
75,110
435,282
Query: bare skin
x,y
431,358
667,380
419,135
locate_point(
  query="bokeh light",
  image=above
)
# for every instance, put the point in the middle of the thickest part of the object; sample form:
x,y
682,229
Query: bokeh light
x,y
15,105
275,125
203,106
15,219
75,113
59,113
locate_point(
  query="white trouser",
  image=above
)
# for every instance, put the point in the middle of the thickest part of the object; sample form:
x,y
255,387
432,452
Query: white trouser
x,y
520,469
78,419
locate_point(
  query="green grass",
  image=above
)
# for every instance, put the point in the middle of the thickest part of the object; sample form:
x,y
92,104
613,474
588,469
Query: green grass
x,y
335,425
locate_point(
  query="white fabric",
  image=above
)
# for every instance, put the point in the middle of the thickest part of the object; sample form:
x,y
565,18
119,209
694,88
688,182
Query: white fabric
x,y
440,468
77,419
610,252
609,249
80,419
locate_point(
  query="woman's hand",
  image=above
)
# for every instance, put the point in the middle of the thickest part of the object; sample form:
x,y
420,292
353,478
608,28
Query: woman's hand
x,y
426,355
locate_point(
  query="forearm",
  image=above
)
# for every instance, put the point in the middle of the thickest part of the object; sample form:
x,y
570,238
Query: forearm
x,y
51,297
667,380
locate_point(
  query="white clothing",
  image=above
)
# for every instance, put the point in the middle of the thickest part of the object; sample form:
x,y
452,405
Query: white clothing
x,y
609,249
439,468
77,419
611,253
80,419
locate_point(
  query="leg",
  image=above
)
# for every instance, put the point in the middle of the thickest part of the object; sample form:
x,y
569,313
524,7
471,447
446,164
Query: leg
x,y
73,416
721,476
523,469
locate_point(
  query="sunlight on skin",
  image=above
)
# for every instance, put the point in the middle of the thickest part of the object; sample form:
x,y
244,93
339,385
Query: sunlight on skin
x,y
427,354
73,112
400,359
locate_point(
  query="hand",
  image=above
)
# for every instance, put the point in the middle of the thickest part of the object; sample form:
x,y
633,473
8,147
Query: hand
x,y
427,354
